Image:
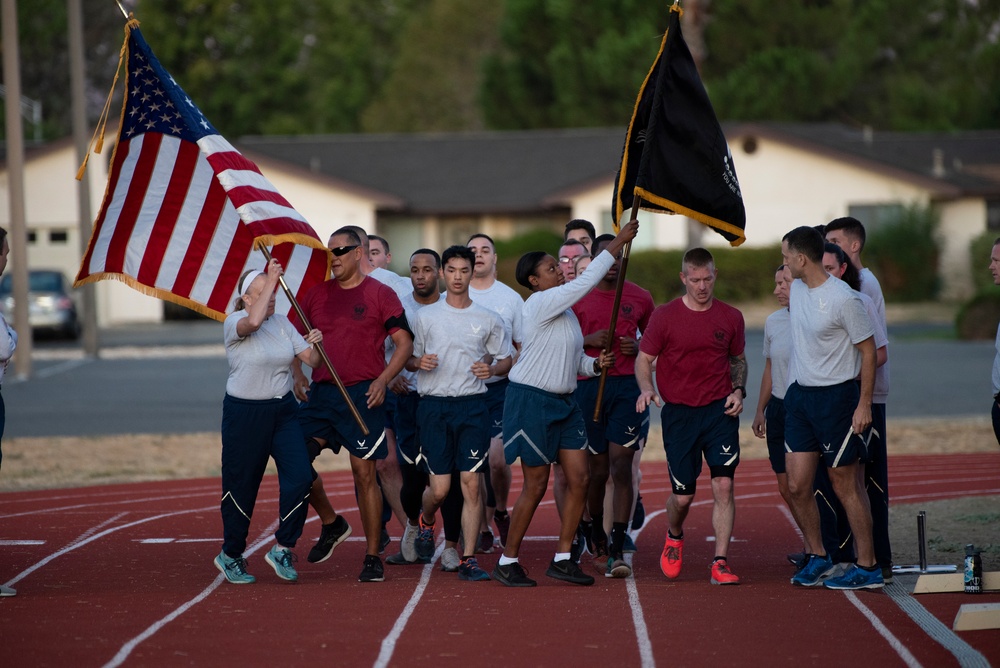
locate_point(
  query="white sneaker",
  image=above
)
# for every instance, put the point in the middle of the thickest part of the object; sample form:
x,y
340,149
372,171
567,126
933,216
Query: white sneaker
x,y
408,543
450,560
7,591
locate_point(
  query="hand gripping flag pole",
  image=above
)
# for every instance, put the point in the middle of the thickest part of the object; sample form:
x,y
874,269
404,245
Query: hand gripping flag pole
x,y
676,158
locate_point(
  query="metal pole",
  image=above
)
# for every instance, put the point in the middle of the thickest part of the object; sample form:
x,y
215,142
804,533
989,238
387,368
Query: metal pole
x,y
77,76
922,539
15,178
322,351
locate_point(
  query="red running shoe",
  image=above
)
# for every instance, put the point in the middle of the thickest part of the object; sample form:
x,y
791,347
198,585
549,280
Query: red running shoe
x,y
670,560
721,575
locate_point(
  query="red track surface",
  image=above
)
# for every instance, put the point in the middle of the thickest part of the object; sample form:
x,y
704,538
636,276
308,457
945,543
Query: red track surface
x,y
124,574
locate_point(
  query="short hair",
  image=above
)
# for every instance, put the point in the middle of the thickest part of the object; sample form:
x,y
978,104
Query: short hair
x,y
385,244
526,267
697,257
781,267
3,236
806,240
360,233
461,252
428,251
603,239
851,226
480,235
851,275
580,224
571,242
349,231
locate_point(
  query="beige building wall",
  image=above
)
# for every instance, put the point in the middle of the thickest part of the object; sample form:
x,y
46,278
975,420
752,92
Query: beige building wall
x,y
961,221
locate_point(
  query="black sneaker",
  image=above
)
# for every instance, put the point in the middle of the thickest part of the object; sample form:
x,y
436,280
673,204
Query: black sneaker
x,y
373,571
383,541
639,515
512,575
330,536
797,559
568,570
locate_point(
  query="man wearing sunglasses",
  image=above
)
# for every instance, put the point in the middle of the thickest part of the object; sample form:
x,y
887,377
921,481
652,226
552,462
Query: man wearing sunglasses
x,y
355,313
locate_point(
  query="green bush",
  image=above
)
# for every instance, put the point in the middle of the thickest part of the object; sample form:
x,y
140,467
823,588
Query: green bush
x,y
745,274
979,252
903,253
978,318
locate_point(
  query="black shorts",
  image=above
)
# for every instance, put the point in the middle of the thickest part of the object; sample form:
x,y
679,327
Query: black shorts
x,y
689,432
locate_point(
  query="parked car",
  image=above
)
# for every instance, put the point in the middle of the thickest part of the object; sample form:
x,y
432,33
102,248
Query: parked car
x,y
50,307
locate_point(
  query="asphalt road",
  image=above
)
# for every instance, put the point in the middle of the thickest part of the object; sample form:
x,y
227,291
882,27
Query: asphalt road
x,y
171,377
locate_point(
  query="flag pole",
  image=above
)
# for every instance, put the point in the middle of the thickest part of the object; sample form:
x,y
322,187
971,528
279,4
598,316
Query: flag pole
x,y
319,347
637,201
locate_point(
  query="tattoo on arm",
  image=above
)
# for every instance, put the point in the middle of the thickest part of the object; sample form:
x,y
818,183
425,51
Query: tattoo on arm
x,y
738,370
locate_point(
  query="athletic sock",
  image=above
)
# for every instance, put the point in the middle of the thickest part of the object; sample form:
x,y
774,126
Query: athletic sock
x,y
500,515
718,558
505,560
562,556
618,538
870,569
597,529
670,535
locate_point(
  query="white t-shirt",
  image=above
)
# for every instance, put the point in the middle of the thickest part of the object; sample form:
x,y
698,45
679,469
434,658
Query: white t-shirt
x,y
505,302
459,337
778,348
259,362
8,343
827,322
400,285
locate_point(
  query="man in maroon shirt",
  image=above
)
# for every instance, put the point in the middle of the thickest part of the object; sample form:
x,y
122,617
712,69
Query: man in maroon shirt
x,y
355,313
697,343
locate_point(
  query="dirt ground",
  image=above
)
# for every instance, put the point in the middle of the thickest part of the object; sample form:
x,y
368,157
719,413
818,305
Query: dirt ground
x,y
46,463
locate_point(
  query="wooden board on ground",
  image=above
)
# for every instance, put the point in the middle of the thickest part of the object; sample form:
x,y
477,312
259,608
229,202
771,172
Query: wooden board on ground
x,y
977,616
952,582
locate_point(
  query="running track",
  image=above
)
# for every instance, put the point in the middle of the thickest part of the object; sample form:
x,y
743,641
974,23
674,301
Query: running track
x,y
123,575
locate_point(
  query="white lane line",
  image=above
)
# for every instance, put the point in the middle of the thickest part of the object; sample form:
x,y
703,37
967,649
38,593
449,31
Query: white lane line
x,y
883,631
389,642
22,542
126,649
131,502
646,659
93,494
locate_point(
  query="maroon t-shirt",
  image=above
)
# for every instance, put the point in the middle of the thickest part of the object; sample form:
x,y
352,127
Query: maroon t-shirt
x,y
354,323
594,314
692,350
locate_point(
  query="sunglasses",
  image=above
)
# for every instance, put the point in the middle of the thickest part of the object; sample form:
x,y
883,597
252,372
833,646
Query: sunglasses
x,y
340,251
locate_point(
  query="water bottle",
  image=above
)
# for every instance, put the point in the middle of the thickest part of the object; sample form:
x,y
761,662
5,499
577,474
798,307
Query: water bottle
x,y
973,570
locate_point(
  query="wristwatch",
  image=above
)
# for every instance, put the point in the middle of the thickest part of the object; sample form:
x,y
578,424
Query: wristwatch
x,y
741,389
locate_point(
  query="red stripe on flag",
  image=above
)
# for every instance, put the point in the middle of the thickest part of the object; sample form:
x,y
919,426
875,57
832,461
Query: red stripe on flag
x,y
166,217
121,154
224,160
241,195
137,187
201,239
232,267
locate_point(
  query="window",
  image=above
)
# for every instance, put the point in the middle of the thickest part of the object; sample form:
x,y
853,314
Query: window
x,y
32,237
58,236
873,215
993,215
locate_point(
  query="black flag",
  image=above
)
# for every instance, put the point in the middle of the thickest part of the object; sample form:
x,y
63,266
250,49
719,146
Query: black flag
x,y
676,157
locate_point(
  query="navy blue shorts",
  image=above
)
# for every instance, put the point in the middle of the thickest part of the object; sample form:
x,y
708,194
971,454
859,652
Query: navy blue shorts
x,y
618,421
818,419
390,410
690,431
774,428
453,433
496,393
327,416
539,424
407,446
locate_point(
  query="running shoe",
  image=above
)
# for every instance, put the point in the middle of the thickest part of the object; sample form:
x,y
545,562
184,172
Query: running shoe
x,y
235,570
281,560
600,554
450,560
797,559
7,591
857,578
617,568
373,571
330,536
503,527
628,547
887,574
672,557
485,544
638,515
383,540
568,570
424,543
816,570
586,528
469,570
512,575
721,575
408,543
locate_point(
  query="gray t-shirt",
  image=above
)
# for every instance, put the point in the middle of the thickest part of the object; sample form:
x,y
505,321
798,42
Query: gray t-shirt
x,y
996,366
778,348
552,355
459,337
259,362
399,284
506,303
827,322
881,393
871,287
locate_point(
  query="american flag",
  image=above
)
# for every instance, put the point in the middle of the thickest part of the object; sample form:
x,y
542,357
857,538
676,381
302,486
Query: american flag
x,y
183,209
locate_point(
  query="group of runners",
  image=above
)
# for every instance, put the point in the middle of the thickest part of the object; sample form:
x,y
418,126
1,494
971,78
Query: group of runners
x,y
457,385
